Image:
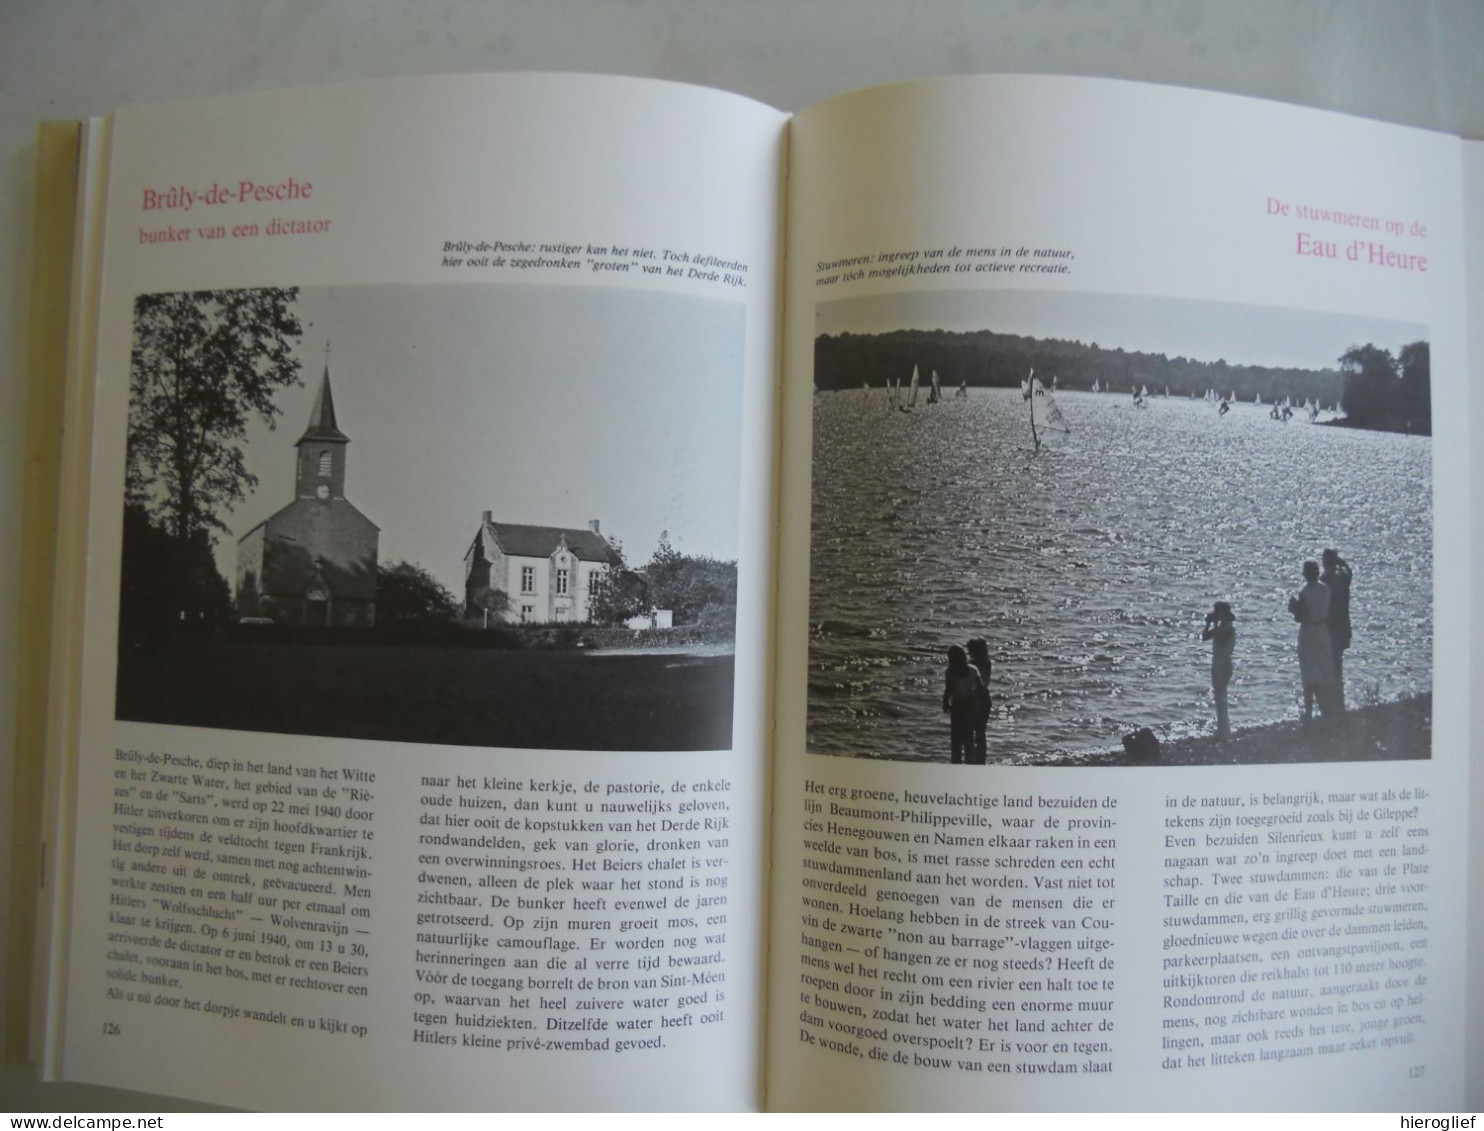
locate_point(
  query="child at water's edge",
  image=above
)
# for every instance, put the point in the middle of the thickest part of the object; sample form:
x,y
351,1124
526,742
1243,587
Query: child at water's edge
x,y
961,699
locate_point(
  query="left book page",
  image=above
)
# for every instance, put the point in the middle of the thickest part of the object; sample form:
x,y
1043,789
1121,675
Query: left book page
x,y
420,630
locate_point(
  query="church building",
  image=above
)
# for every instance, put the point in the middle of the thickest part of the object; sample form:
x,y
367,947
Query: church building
x,y
314,561
548,573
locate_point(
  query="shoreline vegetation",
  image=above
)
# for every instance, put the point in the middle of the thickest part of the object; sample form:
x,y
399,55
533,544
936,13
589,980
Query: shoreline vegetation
x,y
1383,732
995,359
1375,389
545,637
541,698
1406,427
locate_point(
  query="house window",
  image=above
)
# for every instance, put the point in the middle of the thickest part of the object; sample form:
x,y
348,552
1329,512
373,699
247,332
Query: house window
x,y
528,579
527,614
324,465
561,583
592,584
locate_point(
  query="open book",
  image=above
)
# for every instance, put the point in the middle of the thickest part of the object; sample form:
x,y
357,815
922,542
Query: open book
x,y
584,592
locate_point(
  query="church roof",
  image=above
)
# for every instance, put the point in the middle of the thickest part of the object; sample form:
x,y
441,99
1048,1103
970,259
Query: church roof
x,y
328,534
322,419
520,540
340,511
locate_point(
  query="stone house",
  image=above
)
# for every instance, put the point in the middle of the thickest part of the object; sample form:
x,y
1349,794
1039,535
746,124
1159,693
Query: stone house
x,y
549,573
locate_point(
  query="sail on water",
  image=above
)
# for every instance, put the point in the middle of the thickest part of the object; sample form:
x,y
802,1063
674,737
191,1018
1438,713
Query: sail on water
x,y
1046,418
911,401
935,394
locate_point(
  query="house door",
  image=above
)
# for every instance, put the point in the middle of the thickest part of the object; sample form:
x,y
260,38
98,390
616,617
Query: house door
x,y
317,599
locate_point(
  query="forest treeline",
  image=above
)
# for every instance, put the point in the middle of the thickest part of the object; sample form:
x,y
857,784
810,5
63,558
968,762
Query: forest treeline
x,y
987,358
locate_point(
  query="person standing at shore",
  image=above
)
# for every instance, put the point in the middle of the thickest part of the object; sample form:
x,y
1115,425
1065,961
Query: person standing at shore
x,y
979,660
1222,632
961,691
1337,575
1310,607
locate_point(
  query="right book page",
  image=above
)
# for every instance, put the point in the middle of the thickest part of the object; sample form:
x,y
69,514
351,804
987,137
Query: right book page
x,y
1124,583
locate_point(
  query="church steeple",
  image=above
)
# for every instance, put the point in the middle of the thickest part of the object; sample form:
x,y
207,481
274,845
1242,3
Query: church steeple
x,y
321,459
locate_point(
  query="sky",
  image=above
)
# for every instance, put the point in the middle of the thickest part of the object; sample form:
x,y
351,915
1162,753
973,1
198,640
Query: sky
x,y
549,405
1197,329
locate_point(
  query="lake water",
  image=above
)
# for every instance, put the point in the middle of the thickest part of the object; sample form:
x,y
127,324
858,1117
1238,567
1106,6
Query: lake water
x,y
1089,566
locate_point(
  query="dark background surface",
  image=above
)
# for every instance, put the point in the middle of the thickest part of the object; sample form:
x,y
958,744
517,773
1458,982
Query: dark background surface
x,y
1419,63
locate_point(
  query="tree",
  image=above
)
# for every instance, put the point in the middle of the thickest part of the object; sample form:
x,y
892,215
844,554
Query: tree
x,y
1394,393
665,574
163,585
1414,394
618,593
491,601
408,594
1370,379
204,366
697,589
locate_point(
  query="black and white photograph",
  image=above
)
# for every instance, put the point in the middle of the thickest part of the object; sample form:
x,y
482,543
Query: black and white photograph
x,y
458,514
1091,530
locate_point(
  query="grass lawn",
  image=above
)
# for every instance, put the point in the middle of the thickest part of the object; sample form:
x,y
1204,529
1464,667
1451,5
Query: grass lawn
x,y
569,700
